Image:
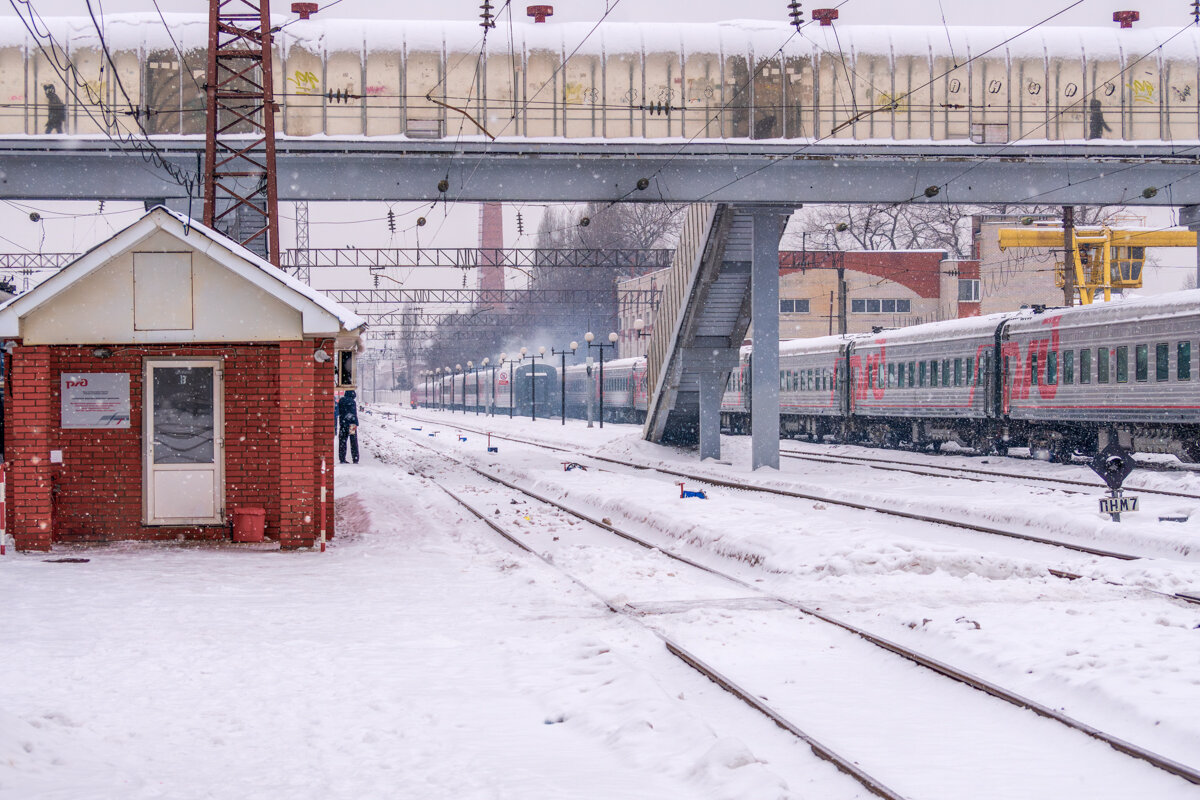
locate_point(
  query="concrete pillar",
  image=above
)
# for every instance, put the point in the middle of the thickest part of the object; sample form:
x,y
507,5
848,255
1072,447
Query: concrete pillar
x,y
711,390
1189,216
764,313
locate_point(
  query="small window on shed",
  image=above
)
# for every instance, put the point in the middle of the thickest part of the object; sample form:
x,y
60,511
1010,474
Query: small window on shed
x,y
1162,362
1183,361
1141,362
1068,358
345,368
1123,364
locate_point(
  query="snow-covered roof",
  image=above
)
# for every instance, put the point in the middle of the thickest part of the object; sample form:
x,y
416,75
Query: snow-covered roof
x,y
1119,310
136,31
319,314
965,328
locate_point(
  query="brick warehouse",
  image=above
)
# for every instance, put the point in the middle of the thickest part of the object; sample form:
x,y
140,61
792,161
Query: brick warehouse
x,y
164,379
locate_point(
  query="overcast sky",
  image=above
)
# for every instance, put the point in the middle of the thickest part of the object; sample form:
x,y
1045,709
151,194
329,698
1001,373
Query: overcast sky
x,y
851,12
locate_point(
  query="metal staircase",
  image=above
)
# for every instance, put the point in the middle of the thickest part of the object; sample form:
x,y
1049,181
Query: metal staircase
x,y
702,318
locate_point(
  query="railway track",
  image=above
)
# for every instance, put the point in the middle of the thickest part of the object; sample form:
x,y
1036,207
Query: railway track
x,y
965,473
639,612
1187,597
812,496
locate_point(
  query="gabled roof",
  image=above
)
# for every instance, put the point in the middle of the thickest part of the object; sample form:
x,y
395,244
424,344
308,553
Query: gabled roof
x,y
320,316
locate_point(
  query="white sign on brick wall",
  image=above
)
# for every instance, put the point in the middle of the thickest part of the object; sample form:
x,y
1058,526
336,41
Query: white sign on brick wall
x,y
95,400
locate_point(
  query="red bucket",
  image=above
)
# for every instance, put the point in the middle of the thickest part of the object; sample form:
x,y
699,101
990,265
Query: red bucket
x,y
249,524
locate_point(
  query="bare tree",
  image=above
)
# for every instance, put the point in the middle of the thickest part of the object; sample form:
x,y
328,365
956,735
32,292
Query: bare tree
x,y
914,226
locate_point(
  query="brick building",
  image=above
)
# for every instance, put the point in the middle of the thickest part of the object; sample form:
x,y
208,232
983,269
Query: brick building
x,y
164,379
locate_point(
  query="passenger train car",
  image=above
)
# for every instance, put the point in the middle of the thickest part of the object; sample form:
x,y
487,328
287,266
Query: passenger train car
x,y
1058,381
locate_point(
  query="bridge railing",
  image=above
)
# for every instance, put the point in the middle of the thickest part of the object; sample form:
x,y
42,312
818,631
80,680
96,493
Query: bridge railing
x,y
677,288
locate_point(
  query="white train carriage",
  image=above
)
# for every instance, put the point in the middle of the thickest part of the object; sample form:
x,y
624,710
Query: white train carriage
x,y
812,385
927,384
625,391
1072,377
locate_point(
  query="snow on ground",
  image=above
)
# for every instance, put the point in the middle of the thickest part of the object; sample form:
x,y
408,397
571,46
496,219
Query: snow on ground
x,y
1116,656
422,657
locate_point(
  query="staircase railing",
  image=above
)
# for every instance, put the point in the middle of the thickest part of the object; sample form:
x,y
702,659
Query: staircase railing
x,y
668,319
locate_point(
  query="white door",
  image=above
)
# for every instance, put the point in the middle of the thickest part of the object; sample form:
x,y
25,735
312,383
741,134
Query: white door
x,y
184,435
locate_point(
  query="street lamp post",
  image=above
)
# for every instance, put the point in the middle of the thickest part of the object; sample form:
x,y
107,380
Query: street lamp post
x,y
541,353
562,373
589,337
463,394
437,388
470,369
492,394
512,379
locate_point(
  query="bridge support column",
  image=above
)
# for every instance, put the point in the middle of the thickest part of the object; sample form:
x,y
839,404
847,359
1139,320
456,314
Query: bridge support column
x,y
764,315
712,387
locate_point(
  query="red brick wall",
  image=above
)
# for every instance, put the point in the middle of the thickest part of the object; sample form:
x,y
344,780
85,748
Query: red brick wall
x,y
917,270
274,441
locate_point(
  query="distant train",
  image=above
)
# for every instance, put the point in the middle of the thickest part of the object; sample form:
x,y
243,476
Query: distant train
x,y
1058,381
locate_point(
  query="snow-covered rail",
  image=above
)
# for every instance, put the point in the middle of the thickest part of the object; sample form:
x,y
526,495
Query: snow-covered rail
x,y
875,507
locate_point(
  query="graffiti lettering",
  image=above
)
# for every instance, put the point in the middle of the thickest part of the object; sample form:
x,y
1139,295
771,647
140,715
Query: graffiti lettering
x,y
955,86
891,103
994,87
306,82
1071,90
1182,94
1034,88
1143,91
1109,88
375,91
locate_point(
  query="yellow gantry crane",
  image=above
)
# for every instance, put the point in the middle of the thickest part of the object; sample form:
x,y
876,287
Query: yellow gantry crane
x,y
1105,258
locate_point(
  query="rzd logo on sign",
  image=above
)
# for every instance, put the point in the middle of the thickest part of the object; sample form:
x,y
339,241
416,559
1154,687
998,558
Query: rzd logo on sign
x,y
72,384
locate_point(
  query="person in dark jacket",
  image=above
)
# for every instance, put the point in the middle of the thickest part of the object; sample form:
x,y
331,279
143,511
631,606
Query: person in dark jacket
x,y
56,109
347,426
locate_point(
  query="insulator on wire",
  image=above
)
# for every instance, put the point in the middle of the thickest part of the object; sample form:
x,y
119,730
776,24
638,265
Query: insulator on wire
x,y
391,221
485,14
796,13
521,222
1196,12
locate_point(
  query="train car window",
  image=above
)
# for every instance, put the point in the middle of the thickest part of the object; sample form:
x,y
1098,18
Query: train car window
x,y
1101,365
921,376
1183,362
1085,366
1033,369
933,373
1123,364
1141,362
1162,362
891,376
958,372
970,364
1068,359
945,372
1051,368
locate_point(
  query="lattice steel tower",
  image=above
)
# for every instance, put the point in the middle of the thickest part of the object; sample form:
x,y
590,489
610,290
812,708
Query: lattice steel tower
x,y
240,197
